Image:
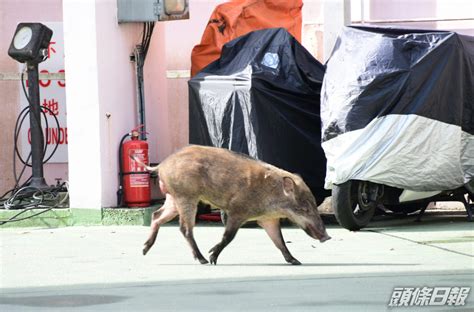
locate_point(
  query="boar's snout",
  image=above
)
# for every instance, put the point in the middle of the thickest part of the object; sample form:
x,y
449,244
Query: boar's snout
x,y
325,238
317,232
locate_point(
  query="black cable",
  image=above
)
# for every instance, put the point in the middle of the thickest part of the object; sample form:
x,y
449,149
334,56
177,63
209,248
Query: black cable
x,y
45,142
7,192
31,198
151,34
36,117
148,38
146,43
59,135
26,111
120,190
15,140
18,124
18,178
32,194
15,150
148,28
145,26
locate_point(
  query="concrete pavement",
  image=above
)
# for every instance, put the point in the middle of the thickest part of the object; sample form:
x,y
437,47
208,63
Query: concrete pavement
x,y
102,269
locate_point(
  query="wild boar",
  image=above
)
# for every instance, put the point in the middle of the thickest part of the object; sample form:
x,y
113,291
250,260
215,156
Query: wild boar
x,y
244,188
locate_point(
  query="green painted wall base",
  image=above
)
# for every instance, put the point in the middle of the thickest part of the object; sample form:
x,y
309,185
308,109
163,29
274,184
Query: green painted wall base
x,y
75,216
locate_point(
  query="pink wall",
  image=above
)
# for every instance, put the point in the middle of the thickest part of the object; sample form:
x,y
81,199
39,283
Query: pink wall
x,y
100,97
116,82
167,99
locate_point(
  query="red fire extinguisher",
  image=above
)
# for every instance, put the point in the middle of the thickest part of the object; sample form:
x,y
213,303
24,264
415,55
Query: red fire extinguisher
x,y
135,178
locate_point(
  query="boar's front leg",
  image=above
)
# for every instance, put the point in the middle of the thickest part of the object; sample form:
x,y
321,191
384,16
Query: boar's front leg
x,y
273,229
187,220
232,226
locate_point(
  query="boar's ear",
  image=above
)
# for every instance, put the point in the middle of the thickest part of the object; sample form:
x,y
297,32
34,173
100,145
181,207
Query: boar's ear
x,y
288,186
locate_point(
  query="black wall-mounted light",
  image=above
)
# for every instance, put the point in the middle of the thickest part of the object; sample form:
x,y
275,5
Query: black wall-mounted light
x,y
30,44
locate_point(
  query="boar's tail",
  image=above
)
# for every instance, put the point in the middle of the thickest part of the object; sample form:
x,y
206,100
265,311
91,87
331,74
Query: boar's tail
x,y
140,162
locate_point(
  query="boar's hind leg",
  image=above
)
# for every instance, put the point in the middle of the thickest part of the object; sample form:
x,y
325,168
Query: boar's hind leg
x,y
164,214
231,227
187,219
273,229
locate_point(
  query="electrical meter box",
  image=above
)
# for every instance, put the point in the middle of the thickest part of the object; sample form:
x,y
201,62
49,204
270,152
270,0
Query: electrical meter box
x,y
129,11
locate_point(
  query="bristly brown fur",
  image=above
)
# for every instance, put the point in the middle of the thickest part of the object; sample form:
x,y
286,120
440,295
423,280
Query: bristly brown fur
x,y
244,188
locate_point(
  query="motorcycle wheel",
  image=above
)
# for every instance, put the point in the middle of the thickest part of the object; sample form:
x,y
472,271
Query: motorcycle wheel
x,y
351,209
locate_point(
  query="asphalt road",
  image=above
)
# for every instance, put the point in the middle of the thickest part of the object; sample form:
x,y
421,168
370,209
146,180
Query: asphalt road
x,y
311,293
101,268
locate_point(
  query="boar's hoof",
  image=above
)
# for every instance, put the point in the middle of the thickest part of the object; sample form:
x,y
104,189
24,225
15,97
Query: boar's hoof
x,y
145,249
203,261
294,262
213,259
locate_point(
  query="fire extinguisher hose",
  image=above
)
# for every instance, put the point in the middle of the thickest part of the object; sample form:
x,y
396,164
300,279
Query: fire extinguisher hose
x,y
121,174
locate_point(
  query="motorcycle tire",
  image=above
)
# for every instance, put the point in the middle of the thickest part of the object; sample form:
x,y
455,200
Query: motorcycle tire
x,y
346,206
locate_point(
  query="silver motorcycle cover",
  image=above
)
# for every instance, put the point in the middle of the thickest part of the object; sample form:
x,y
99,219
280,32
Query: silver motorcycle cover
x,y
397,108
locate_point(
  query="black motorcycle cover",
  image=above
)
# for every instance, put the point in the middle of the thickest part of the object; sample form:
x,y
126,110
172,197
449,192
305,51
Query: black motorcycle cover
x,y
262,98
397,108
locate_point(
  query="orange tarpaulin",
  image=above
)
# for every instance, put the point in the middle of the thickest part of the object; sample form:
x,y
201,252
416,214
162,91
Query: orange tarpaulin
x,y
239,17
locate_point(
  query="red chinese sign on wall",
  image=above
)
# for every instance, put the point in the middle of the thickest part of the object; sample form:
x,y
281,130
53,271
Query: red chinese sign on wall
x,y
52,100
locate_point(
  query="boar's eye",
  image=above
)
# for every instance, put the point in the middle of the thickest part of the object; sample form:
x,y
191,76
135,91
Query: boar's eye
x,y
310,204
305,205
